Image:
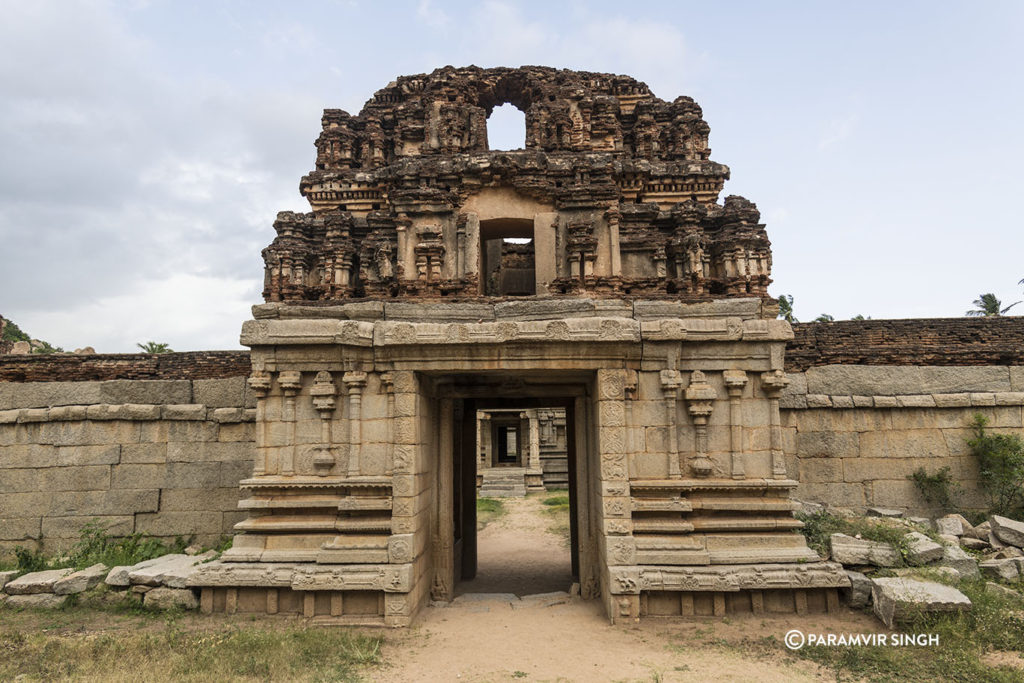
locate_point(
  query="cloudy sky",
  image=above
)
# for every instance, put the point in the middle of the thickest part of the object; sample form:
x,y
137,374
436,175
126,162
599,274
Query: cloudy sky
x,y
148,145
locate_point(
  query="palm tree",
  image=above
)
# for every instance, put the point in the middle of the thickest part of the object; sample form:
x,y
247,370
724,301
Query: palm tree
x,y
988,305
860,316
155,347
786,308
824,318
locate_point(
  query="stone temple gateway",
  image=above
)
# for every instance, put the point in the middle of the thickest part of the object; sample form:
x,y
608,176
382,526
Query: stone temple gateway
x,y
594,272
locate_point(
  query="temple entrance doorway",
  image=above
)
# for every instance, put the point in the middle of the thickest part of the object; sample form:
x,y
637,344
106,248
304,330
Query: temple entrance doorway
x,y
514,534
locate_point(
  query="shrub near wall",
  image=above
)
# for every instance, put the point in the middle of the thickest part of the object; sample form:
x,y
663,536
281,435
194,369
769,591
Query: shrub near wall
x,y
157,456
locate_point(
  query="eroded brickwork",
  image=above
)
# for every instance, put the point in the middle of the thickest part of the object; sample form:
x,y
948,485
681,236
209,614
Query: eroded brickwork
x,y
110,366
924,341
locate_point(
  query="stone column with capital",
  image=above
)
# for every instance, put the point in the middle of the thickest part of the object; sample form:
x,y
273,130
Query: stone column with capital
x,y
354,383
259,382
772,383
735,380
671,382
291,384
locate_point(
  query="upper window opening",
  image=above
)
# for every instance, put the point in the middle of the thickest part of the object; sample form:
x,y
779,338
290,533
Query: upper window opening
x,y
506,128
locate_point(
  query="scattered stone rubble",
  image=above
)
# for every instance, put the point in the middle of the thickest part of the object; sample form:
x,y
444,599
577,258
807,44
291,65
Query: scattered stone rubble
x,y
898,593
159,583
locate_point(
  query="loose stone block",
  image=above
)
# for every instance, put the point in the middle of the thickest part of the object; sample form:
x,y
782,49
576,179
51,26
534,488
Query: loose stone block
x,y
152,574
36,582
901,599
859,593
1009,531
168,598
1005,569
6,576
949,525
36,601
848,550
921,549
177,575
80,581
953,556
118,576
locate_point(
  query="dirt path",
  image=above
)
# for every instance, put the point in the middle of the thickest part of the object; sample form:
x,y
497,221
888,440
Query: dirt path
x,y
517,553
475,639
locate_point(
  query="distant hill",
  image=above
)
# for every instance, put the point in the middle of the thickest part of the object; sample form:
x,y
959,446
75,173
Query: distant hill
x,y
11,334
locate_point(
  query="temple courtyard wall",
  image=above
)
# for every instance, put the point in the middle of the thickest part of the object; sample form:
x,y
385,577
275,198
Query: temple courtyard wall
x,y
158,444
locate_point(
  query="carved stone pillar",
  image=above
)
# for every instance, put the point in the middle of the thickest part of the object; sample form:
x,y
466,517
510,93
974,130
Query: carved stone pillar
x,y
735,380
259,382
291,383
671,382
534,459
699,397
354,382
323,392
772,383
484,431
387,385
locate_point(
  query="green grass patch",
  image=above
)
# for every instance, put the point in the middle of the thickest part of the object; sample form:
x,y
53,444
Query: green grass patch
x,y
561,500
488,510
994,624
557,508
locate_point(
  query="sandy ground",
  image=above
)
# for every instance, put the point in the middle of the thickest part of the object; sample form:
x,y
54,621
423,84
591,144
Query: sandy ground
x,y
480,639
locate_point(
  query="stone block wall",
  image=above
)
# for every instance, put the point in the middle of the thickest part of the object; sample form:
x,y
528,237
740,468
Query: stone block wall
x,y
853,433
160,456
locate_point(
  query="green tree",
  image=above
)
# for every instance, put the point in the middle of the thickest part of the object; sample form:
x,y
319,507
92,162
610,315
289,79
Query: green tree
x,y
155,347
786,308
13,333
824,318
988,305
860,316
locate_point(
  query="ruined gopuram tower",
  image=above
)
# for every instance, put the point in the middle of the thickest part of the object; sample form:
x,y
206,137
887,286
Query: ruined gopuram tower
x,y
594,271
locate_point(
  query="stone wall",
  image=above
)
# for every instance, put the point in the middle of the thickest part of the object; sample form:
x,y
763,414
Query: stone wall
x,y
854,433
157,456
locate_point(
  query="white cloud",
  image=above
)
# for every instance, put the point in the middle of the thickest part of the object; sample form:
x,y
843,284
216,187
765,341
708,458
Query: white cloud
x,y
431,15
185,311
838,130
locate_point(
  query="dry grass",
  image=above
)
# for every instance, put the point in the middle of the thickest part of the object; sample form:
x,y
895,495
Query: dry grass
x,y
116,645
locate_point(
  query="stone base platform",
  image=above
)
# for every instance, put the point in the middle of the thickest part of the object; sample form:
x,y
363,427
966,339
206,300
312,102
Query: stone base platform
x,y
368,595
718,603
351,608
717,590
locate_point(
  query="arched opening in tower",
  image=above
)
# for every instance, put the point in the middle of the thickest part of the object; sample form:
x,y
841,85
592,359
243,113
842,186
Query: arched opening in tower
x,y
507,257
506,128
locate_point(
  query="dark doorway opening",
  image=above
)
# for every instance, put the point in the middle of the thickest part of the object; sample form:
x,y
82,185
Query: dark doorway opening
x,y
504,556
508,261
